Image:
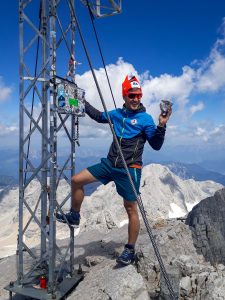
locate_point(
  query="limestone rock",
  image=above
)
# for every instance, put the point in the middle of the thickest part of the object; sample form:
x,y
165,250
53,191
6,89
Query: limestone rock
x,y
106,281
206,221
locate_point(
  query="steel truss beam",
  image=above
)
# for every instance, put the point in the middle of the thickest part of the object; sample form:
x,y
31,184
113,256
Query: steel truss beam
x,y
104,8
43,129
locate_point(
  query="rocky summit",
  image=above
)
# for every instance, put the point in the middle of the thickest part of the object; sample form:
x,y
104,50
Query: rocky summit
x,y
206,221
103,234
191,276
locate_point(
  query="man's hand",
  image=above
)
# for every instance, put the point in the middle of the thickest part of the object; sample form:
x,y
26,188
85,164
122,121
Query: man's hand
x,y
164,119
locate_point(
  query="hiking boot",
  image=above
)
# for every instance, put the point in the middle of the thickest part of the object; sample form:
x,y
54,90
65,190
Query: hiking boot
x,y
72,217
127,257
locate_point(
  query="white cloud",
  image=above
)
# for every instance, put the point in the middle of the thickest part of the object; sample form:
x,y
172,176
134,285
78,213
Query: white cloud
x,y
5,91
200,131
6,130
116,73
94,130
218,132
212,78
166,86
195,108
210,75
215,135
198,134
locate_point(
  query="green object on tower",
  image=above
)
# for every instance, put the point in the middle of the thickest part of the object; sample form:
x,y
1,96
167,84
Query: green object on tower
x,y
73,102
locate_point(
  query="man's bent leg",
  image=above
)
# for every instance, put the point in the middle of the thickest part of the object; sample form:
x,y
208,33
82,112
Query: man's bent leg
x,y
134,223
72,218
78,181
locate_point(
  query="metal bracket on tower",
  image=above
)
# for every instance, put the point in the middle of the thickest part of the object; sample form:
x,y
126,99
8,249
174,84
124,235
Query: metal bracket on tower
x,y
104,8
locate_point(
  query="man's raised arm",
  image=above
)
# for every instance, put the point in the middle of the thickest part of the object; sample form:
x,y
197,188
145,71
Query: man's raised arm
x,y
94,114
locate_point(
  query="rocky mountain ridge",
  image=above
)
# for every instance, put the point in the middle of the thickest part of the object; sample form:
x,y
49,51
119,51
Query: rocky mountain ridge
x,y
195,171
164,195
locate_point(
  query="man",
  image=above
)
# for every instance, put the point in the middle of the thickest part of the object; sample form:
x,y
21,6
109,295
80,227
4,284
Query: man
x,y
133,127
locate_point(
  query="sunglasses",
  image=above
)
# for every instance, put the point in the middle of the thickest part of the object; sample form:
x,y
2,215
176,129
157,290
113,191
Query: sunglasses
x,y
133,96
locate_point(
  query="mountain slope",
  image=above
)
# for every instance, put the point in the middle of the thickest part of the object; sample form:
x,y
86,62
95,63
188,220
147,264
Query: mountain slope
x,y
164,195
195,171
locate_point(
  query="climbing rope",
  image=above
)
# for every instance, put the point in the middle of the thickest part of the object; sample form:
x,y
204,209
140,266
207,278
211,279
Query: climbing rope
x,y
138,197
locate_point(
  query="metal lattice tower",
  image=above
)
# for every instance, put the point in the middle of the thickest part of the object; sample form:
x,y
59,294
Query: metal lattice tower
x,y
48,137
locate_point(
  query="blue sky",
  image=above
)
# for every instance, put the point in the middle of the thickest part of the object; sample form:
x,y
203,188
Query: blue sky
x,y
176,48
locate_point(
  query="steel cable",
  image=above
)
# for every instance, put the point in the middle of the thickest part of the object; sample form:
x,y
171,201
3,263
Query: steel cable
x,y
138,198
100,50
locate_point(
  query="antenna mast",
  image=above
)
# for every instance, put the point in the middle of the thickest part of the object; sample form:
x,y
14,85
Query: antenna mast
x,y
51,104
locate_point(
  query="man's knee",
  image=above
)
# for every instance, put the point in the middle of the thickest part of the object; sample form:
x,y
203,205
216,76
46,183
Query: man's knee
x,y
82,178
75,181
131,207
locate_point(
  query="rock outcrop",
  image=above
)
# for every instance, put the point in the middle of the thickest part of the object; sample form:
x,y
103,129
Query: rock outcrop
x,y
191,276
206,221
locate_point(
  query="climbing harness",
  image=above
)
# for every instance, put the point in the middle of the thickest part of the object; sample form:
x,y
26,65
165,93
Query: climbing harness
x,y
138,197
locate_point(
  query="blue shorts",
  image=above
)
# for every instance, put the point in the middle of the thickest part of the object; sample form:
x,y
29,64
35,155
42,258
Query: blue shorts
x,y
104,172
